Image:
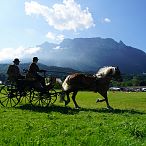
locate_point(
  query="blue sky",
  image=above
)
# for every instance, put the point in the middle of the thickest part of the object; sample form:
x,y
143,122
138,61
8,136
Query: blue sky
x,y
27,23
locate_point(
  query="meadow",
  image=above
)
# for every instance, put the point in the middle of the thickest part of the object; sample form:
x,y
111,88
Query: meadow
x,y
92,125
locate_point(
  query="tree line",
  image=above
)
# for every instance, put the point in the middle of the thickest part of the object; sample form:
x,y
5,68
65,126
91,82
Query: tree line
x,y
128,80
131,80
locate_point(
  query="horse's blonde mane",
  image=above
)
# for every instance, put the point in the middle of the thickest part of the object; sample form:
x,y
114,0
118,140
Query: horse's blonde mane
x,y
104,71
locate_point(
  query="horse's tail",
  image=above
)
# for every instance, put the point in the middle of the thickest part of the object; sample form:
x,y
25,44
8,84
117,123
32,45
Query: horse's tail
x,y
65,85
65,88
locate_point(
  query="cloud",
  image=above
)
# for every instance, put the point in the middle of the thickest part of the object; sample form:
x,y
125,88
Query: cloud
x,y
20,52
107,20
53,37
65,16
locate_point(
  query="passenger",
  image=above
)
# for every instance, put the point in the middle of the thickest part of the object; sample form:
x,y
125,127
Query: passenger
x,y
33,74
13,71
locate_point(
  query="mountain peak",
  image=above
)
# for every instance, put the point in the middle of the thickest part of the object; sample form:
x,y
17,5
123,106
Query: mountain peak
x,y
121,43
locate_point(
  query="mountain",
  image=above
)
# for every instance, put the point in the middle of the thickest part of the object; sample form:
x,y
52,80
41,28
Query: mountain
x,y
89,54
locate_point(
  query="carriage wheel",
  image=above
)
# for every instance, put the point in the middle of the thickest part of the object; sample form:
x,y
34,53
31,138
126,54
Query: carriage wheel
x,y
53,95
39,99
25,97
9,97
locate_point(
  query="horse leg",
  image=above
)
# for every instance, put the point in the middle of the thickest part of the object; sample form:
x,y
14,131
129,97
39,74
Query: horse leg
x,y
104,94
68,99
73,98
106,100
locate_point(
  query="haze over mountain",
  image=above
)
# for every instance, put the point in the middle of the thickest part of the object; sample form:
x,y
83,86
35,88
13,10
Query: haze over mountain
x,y
89,54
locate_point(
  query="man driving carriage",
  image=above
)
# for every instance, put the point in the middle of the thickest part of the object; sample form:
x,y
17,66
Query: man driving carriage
x,y
33,75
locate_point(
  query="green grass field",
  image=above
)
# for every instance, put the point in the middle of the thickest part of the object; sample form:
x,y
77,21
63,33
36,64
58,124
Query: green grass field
x,y
92,125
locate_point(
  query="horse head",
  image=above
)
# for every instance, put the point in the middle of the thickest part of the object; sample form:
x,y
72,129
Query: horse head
x,y
109,71
117,74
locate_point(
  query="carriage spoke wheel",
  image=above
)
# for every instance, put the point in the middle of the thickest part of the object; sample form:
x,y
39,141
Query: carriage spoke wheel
x,y
39,99
9,97
53,96
25,97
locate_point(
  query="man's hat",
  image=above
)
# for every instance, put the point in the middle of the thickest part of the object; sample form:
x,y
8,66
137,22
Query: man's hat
x,y
35,58
16,60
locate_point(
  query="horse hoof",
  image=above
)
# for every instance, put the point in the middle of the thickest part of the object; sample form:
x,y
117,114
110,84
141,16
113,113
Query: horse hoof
x,y
110,108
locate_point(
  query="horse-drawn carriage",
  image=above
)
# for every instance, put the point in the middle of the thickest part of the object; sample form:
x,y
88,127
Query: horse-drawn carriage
x,y
13,93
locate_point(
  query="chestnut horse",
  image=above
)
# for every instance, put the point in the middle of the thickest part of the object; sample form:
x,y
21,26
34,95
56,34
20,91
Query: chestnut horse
x,y
97,83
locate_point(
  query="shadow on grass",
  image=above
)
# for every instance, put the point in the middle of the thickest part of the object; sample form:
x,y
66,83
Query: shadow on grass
x,y
114,111
72,111
53,108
